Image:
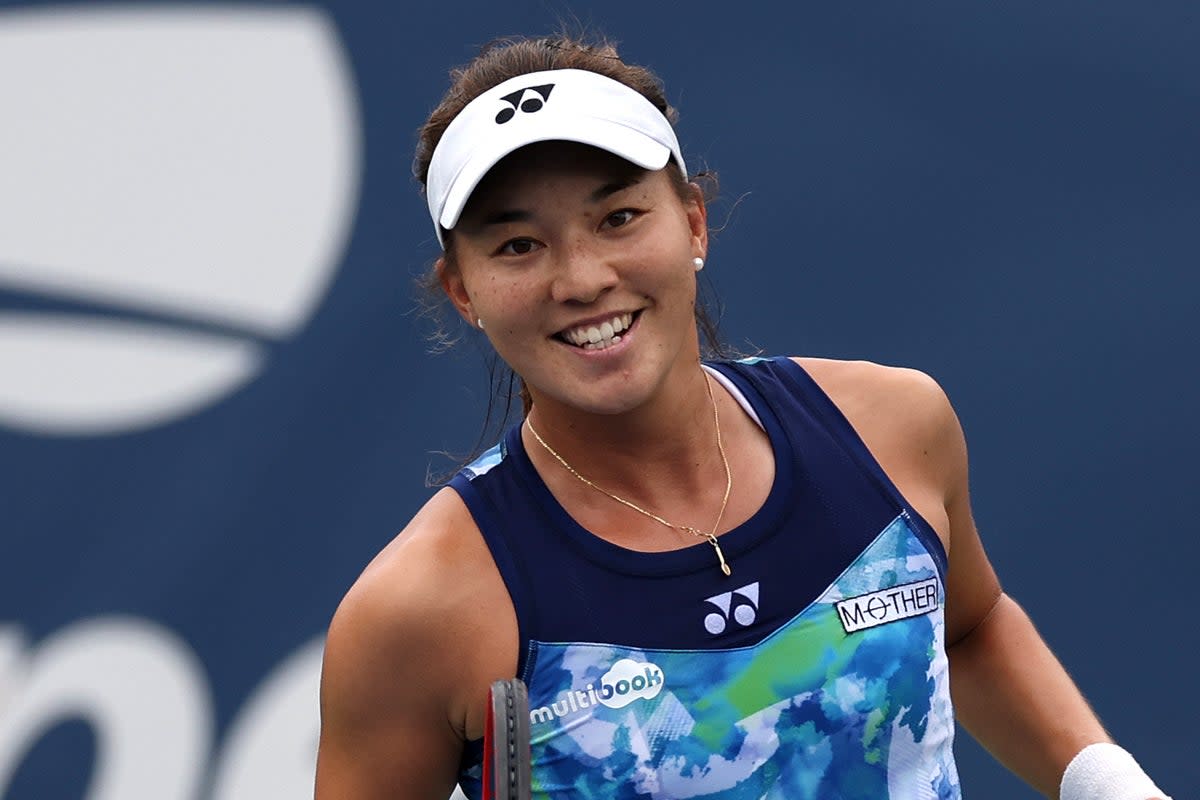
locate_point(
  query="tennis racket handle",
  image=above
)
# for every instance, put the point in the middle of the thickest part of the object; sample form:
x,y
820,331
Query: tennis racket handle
x,y
507,758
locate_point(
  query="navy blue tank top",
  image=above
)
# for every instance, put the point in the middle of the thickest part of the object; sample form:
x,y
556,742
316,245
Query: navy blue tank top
x,y
816,670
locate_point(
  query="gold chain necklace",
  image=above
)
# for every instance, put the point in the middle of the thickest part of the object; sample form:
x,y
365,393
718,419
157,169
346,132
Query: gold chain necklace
x,y
710,537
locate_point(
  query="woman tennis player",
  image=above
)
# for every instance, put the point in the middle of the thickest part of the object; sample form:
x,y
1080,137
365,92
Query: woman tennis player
x,y
718,578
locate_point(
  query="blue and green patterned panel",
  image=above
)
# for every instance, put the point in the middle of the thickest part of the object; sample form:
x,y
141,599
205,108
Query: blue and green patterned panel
x,y
850,699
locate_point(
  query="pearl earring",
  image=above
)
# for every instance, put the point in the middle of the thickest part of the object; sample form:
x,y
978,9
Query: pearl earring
x,y
698,263
479,322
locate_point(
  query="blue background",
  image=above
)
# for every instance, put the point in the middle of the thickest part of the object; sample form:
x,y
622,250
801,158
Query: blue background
x,y
1002,195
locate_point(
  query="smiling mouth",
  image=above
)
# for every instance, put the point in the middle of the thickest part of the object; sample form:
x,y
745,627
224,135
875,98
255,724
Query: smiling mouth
x,y
598,337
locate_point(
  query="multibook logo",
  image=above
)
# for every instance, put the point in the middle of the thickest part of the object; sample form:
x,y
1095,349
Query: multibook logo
x,y
177,184
625,682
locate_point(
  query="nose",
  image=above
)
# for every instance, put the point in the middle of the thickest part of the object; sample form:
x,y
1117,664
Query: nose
x,y
582,275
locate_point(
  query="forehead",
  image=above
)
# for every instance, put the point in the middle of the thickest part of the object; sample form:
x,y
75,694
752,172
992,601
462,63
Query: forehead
x,y
523,169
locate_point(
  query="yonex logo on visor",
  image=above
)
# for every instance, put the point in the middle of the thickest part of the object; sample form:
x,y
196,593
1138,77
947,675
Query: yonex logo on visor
x,y
587,108
527,104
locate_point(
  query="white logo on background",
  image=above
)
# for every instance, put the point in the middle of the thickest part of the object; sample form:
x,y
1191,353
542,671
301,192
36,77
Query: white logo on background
x,y
888,605
626,681
740,605
144,693
629,680
192,173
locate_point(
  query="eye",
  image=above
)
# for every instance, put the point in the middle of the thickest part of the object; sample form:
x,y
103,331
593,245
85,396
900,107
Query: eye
x,y
620,218
517,247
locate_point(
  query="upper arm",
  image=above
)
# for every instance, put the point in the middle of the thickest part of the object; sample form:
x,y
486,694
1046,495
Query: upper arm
x,y
388,689
972,587
933,437
384,731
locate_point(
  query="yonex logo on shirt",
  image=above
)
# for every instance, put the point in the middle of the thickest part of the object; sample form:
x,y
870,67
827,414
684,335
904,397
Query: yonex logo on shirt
x,y
625,682
740,605
888,605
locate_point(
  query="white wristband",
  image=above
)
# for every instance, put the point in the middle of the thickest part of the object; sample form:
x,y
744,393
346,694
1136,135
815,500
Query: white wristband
x,y
1106,772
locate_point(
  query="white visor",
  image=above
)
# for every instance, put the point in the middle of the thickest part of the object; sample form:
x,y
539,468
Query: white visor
x,y
558,105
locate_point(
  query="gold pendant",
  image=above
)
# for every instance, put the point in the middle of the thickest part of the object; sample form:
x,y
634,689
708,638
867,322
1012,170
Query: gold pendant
x,y
720,556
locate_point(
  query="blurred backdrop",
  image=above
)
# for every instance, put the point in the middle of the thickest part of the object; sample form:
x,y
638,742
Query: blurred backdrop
x,y
217,402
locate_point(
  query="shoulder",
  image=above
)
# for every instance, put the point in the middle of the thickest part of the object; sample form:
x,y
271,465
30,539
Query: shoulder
x,y
871,386
400,688
907,422
430,553
854,384
403,621
894,402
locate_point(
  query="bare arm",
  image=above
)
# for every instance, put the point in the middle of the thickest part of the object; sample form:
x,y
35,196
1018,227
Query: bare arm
x,y
385,729
400,662
1008,689
1014,696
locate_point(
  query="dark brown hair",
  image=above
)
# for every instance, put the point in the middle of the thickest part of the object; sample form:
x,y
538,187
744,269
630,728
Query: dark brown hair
x,y
497,62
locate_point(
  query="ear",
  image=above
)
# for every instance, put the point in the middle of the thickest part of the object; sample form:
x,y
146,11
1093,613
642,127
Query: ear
x,y
455,289
697,214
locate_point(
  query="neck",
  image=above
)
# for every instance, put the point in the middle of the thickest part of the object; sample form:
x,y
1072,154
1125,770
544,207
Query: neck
x,y
667,444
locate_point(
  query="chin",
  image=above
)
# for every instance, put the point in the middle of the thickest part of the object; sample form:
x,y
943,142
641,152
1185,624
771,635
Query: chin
x,y
602,389
618,394
598,405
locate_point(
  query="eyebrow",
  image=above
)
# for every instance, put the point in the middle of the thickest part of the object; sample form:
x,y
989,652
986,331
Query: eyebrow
x,y
615,186
506,215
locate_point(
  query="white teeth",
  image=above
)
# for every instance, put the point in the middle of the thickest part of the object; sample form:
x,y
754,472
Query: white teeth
x,y
598,338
